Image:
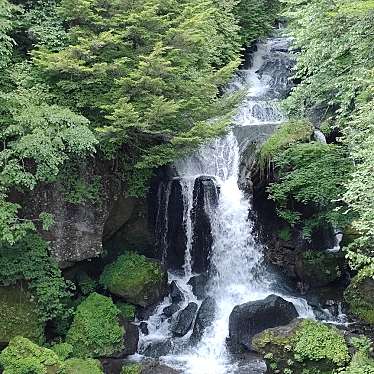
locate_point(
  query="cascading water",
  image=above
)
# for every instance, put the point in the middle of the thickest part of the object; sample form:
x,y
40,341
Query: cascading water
x,y
237,273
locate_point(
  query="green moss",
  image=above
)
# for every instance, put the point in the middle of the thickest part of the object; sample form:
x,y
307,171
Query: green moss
x,y
95,331
127,311
306,346
19,315
360,295
81,366
22,356
63,350
135,278
287,134
132,369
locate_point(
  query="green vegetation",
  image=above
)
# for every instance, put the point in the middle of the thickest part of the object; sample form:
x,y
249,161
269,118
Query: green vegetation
x,y
335,66
23,356
19,315
132,369
127,311
135,278
360,295
63,350
305,345
80,366
95,331
29,260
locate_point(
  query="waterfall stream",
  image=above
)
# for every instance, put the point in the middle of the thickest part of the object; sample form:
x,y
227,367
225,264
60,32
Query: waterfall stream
x,y
237,273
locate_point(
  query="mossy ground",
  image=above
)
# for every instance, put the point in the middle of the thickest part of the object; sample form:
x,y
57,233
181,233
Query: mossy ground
x,y
134,277
19,315
127,311
95,331
82,366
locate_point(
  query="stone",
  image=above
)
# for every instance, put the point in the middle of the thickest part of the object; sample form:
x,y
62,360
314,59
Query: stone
x,y
130,339
138,280
205,197
176,294
183,321
158,348
298,348
148,366
204,318
247,320
170,310
19,315
143,327
199,285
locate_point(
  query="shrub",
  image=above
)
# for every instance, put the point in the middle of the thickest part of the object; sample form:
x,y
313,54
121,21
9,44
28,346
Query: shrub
x,y
81,366
25,357
95,331
63,350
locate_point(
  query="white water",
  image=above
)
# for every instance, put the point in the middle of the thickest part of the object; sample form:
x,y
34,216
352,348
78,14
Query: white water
x,y
237,260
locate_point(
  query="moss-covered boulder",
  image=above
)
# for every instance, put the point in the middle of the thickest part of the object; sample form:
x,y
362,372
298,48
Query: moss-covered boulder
x,y
303,346
82,366
19,316
96,331
138,280
360,295
127,311
24,356
319,268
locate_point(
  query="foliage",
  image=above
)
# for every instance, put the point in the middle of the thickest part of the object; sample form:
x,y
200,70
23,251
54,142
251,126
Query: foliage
x,y
95,331
29,260
24,357
360,295
284,137
307,347
256,18
127,311
6,41
82,366
133,277
361,362
132,369
335,64
19,315
63,350
311,180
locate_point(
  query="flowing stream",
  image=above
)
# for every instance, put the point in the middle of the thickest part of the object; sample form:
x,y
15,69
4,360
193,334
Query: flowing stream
x,y
236,271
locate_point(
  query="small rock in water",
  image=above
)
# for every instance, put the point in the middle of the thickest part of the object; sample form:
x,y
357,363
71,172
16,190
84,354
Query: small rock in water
x,y
184,319
198,284
176,294
158,348
143,327
204,318
170,310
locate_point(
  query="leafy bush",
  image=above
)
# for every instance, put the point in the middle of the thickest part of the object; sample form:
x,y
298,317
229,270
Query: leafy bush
x,y
29,260
127,311
82,366
63,350
95,331
134,277
24,357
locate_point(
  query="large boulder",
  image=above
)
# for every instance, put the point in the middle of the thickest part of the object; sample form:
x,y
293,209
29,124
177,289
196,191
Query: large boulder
x,y
19,316
176,294
96,330
130,339
198,284
135,278
249,319
303,346
183,322
204,318
360,296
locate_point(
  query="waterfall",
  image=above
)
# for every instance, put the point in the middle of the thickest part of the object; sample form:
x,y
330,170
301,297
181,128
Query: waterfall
x,y
236,269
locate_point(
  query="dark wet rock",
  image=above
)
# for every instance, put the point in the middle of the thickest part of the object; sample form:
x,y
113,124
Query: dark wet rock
x,y
176,294
183,321
130,338
249,319
143,327
204,318
170,310
156,367
198,284
158,348
249,363
205,196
